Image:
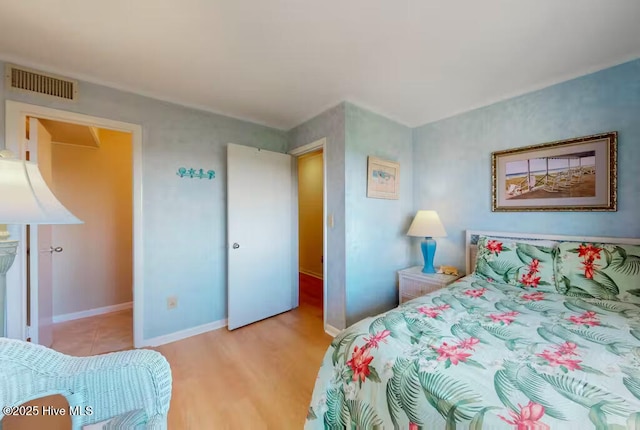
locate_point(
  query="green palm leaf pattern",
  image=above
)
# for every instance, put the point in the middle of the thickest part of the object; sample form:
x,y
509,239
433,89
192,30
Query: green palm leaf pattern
x,y
421,326
633,385
576,304
594,288
596,305
538,251
563,333
363,416
588,395
393,402
605,280
507,390
574,291
474,329
626,263
334,418
513,365
541,306
537,389
394,322
595,335
450,300
478,419
564,285
501,332
450,397
549,336
505,305
598,417
407,387
377,325
338,343
500,267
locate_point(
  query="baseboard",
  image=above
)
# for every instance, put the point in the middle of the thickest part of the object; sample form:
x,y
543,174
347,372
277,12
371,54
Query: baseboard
x,y
331,330
310,273
183,334
92,312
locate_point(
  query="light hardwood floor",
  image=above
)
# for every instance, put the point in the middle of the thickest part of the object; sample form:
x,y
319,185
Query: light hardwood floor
x,y
256,377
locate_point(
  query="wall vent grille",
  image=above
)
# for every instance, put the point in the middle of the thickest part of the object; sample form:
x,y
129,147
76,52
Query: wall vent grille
x,y
24,79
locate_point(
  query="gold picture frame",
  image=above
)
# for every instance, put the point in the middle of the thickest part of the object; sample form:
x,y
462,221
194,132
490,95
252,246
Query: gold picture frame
x,y
577,174
383,179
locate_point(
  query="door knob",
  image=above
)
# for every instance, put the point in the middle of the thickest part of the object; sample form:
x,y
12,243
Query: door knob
x,y
56,249
236,246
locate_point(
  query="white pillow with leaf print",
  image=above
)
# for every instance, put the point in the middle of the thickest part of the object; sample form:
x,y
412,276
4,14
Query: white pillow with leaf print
x,y
599,270
519,263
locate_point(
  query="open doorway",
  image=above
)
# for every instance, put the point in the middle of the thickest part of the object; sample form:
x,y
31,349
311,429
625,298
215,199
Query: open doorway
x,y
85,285
312,227
17,115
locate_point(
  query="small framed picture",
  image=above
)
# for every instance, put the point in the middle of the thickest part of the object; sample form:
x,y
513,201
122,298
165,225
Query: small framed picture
x,y
383,179
569,175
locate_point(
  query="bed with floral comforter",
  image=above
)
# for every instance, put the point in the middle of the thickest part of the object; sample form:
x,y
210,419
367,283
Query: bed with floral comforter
x,y
483,354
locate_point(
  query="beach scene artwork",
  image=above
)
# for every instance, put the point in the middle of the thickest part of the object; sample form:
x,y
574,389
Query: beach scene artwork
x,y
383,179
578,174
561,176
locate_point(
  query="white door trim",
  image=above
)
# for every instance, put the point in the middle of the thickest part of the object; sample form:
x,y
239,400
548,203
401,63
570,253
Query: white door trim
x,y
310,147
15,130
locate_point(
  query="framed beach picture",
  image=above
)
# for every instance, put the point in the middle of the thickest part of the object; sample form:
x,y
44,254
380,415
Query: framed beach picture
x,y
568,175
383,179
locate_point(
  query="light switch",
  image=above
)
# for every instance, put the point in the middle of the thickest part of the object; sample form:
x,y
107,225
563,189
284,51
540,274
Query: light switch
x,y
330,220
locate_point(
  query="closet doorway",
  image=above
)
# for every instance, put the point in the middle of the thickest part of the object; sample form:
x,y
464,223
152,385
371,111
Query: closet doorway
x,y
26,318
311,227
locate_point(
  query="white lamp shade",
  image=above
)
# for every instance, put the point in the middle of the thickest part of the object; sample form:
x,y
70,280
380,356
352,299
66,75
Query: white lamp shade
x,y
25,197
427,224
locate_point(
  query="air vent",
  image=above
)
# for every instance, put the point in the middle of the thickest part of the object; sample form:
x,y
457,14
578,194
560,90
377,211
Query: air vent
x,y
20,78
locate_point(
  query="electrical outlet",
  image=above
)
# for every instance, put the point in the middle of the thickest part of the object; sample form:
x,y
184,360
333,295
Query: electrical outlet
x,y
172,302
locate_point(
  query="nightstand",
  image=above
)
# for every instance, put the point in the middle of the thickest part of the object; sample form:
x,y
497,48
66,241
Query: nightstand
x,y
414,283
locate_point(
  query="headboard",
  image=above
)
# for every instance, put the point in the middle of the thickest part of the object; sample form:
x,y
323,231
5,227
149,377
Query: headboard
x,y
473,235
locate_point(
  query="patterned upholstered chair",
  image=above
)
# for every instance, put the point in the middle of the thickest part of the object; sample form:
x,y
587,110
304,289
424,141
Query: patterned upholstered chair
x,y
130,387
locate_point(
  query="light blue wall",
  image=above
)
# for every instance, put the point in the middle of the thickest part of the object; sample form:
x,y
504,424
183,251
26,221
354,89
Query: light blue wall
x,y
331,125
444,166
452,158
367,243
376,241
184,220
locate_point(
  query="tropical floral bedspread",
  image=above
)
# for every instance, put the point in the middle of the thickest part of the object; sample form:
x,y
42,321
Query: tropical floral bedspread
x,y
485,355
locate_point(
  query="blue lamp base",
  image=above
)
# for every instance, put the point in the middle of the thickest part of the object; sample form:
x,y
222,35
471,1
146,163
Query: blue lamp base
x,y
428,246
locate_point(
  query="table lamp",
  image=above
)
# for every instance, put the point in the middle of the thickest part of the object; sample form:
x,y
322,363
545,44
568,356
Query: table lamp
x,y
25,198
427,224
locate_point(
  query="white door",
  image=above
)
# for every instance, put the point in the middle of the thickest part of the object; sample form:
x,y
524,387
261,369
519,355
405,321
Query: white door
x,y
40,246
260,251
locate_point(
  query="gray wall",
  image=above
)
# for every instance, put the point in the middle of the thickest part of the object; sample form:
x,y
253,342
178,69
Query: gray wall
x,y
184,220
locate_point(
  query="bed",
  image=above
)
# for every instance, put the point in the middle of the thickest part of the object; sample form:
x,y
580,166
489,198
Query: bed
x,y
544,335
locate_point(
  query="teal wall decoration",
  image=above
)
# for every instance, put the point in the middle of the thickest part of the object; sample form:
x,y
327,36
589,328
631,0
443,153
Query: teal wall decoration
x,y
183,172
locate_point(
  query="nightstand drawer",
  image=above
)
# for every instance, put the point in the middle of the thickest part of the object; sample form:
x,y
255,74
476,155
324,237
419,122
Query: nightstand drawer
x,y
412,287
413,283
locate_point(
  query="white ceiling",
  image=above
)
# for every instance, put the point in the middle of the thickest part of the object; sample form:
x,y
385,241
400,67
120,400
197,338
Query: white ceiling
x,y
280,62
